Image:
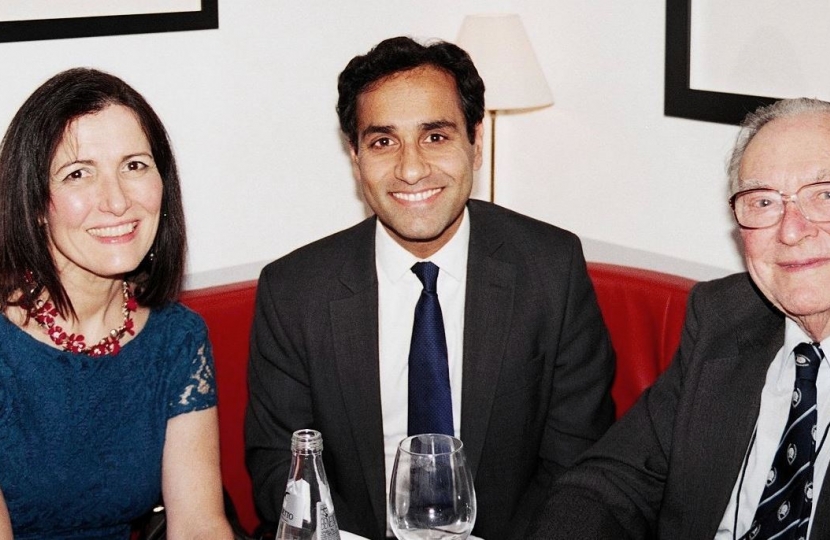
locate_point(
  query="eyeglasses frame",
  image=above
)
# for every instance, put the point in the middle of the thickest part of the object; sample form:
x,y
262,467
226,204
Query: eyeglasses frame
x,y
785,198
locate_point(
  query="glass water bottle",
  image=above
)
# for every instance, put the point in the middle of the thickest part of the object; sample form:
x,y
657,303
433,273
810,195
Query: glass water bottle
x,y
307,509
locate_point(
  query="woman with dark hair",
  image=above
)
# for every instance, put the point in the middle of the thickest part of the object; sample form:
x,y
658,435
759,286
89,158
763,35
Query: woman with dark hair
x,y
107,395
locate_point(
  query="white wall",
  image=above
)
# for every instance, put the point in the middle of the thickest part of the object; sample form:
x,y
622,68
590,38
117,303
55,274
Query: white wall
x,y
604,161
250,109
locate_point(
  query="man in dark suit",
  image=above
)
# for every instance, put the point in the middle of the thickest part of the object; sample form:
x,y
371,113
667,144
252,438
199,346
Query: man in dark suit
x,y
529,360
728,443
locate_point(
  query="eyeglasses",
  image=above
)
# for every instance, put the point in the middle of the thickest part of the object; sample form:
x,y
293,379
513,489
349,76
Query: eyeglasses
x,y
760,208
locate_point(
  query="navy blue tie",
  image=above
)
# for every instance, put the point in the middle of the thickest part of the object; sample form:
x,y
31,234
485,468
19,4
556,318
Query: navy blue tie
x,y
784,510
430,400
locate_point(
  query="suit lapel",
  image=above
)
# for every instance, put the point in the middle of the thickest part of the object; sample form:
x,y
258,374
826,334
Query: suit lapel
x,y
354,320
725,414
724,443
487,316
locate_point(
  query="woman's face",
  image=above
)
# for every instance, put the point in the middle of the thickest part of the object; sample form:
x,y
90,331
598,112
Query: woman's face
x,y
105,196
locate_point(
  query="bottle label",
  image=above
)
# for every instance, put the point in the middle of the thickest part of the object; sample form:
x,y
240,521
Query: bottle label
x,y
326,523
294,509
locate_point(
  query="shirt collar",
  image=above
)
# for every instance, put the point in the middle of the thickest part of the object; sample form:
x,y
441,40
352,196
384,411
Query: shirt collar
x,y
396,262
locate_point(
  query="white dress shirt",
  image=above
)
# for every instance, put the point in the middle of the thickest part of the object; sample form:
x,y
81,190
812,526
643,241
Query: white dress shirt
x,y
772,417
398,291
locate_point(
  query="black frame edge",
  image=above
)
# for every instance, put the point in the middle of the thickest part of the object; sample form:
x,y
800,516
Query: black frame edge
x,y
205,19
684,102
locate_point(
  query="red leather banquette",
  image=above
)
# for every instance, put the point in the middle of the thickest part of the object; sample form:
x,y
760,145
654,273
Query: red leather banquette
x,y
643,310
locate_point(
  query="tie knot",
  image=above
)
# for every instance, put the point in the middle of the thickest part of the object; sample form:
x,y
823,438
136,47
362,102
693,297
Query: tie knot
x,y
427,272
807,360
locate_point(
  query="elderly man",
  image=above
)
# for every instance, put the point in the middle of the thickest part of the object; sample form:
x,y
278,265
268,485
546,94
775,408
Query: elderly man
x,y
519,363
729,442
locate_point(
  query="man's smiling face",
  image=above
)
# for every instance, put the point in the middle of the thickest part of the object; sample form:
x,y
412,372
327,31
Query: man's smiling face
x,y
414,159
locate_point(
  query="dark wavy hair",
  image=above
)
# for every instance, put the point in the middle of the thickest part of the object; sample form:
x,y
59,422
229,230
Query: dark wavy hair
x,y
26,153
398,54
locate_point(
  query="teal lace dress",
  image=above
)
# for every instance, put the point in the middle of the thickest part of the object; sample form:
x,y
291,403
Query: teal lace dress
x,y
81,438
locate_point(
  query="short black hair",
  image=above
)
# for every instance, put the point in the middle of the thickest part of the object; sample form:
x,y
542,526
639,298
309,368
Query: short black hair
x,y
398,54
26,153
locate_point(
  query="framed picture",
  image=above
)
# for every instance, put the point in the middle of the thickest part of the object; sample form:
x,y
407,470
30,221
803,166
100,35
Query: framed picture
x,y
29,20
685,99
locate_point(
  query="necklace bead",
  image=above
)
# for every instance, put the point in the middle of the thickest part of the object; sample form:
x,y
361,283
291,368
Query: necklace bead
x,y
44,314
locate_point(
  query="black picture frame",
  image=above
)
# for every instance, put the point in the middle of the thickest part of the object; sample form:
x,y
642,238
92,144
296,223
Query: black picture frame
x,y
32,30
680,99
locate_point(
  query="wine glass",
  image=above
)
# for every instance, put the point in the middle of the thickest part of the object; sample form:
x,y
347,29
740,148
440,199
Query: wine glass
x,y
431,496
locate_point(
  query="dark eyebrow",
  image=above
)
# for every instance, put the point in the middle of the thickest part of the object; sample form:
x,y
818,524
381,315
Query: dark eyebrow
x,y
377,130
71,163
138,155
439,124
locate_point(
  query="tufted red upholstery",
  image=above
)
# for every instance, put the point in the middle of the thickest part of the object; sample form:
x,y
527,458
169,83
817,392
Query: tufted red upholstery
x,y
643,310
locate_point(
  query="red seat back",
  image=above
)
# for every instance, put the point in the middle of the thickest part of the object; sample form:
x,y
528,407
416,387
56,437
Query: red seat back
x,y
644,312
228,311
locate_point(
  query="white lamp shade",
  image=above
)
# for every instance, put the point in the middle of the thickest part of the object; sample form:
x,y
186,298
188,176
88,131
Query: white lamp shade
x,y
501,50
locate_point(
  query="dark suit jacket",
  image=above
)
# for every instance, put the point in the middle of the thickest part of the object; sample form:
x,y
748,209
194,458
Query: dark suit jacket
x,y
667,468
537,369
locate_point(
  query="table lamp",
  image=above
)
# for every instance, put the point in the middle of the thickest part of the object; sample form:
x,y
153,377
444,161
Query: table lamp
x,y
513,79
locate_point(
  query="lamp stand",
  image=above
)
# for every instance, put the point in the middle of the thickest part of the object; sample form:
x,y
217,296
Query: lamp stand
x,y
492,155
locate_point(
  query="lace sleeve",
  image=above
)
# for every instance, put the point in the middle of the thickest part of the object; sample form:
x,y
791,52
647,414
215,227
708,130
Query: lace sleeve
x,y
196,386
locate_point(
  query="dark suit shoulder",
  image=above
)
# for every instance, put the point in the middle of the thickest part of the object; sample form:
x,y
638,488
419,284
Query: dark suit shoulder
x,y
517,232
324,258
735,296
511,219
740,283
733,304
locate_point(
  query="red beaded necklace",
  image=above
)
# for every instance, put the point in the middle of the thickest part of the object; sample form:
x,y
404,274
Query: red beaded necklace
x,y
44,313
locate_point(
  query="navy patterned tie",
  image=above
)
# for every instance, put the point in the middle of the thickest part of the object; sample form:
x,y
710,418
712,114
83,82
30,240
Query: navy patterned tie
x,y
430,400
784,510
